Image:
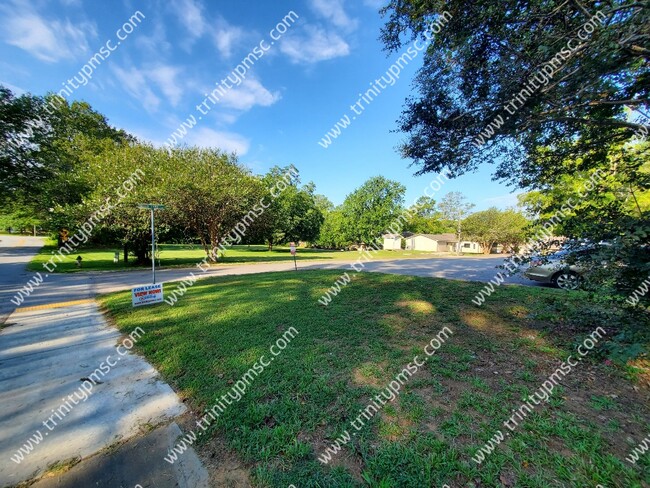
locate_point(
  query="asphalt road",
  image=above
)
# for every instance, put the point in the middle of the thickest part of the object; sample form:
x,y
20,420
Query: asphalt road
x,y
477,268
82,285
15,253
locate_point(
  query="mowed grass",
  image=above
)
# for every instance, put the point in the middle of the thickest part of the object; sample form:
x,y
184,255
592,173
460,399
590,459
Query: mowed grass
x,y
177,255
346,353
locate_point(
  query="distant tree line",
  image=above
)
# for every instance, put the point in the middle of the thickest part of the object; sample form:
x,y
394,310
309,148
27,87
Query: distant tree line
x,y
377,208
59,162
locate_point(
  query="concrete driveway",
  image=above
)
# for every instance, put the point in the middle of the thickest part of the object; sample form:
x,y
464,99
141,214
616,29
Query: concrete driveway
x,y
67,392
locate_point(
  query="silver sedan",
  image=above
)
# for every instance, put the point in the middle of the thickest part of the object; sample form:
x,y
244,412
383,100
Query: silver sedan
x,y
555,271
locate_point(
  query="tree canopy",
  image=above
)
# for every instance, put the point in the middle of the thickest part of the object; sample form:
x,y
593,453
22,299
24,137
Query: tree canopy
x,y
523,85
368,211
425,218
42,141
610,205
454,208
60,162
294,212
494,226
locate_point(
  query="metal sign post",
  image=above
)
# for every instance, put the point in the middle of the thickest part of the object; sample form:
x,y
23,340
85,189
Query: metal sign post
x,y
152,207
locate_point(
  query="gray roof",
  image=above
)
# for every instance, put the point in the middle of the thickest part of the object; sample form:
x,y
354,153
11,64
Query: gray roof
x,y
449,237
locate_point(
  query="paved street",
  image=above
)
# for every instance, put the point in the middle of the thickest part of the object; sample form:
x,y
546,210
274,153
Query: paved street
x,y
477,268
15,253
83,285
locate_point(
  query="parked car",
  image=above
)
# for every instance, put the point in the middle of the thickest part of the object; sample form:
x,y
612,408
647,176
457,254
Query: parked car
x,y
557,270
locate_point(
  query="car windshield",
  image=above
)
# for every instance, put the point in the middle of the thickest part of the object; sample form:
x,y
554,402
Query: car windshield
x,y
565,253
556,256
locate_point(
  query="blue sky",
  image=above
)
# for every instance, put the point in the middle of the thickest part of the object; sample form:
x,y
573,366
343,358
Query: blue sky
x,y
313,67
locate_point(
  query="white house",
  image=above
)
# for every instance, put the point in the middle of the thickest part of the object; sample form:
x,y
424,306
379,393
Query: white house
x,y
431,242
392,242
440,243
471,247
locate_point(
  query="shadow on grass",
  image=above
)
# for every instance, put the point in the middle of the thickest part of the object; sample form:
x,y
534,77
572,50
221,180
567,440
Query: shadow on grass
x,y
342,357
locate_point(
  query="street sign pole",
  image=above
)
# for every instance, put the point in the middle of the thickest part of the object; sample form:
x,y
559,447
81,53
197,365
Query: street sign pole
x,y
152,207
153,250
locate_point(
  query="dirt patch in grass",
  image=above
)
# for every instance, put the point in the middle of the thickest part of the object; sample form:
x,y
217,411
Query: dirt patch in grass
x,y
224,466
370,374
395,322
505,365
394,424
345,458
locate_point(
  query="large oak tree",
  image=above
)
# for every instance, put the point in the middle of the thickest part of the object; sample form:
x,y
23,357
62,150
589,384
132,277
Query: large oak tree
x,y
488,52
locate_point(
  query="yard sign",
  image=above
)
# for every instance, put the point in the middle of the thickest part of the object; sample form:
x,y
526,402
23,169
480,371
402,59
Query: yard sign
x,y
146,295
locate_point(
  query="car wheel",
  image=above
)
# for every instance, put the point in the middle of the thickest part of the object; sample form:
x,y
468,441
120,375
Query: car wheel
x,y
567,280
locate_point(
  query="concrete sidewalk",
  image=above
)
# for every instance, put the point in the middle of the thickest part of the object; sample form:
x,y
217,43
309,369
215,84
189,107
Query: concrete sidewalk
x,y
60,396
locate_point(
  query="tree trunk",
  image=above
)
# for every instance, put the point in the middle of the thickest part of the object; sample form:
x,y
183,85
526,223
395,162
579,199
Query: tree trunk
x,y
214,250
126,253
142,252
206,247
214,243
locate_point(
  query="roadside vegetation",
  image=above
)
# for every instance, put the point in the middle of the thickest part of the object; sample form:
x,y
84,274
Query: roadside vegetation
x,y
347,352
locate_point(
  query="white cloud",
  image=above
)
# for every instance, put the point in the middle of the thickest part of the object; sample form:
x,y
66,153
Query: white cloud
x,y
134,82
139,83
314,46
190,13
226,37
333,11
165,77
226,141
155,44
226,118
47,40
250,93
16,90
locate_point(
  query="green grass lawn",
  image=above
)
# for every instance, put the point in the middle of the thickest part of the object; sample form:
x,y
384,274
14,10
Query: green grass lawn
x,y
174,255
348,352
